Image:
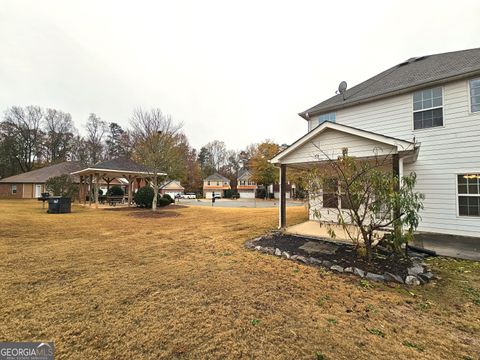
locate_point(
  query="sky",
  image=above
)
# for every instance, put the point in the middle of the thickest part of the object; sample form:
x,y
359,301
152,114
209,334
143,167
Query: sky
x,y
238,72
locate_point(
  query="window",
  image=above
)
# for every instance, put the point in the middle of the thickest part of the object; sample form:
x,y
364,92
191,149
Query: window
x,y
428,108
468,194
242,182
475,95
326,117
14,189
329,193
218,183
208,182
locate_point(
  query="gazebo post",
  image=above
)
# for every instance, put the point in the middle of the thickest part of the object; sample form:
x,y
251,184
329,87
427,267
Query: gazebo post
x,y
80,190
130,183
90,190
283,199
97,180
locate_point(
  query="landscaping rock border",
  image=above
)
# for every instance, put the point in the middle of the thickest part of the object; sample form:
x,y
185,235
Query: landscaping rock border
x,y
418,273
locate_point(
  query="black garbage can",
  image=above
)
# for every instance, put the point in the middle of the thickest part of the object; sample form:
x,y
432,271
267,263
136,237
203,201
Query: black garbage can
x,y
59,205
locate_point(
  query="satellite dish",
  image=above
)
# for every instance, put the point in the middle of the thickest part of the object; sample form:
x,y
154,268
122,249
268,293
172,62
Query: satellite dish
x,y
342,88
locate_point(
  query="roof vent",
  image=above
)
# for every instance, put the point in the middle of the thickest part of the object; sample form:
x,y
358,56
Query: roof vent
x,y
412,60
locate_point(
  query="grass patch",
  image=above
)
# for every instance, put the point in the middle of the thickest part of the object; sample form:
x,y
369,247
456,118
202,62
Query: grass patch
x,y
105,284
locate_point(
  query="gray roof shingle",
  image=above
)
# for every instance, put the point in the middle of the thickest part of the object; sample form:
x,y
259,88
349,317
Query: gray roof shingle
x,y
407,76
40,176
217,177
121,163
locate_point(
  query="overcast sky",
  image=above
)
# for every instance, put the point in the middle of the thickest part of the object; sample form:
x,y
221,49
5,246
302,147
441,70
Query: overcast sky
x,y
233,71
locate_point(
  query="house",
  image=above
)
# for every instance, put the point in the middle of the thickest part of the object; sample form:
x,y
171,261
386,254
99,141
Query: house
x,y
31,185
246,187
423,113
172,188
215,184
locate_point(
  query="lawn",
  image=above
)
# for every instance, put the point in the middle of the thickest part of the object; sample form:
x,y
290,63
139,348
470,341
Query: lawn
x,y
116,284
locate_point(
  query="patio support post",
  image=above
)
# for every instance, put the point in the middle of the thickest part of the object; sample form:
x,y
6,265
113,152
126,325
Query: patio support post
x,y
396,173
84,191
90,190
97,181
283,198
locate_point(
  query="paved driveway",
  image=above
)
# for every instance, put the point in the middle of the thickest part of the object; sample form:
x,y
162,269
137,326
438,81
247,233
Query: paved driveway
x,y
240,203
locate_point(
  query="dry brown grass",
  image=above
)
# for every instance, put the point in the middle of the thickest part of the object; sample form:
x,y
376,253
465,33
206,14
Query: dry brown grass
x,y
105,284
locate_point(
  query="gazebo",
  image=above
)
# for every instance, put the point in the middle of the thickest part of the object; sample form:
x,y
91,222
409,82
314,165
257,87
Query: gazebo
x,y
122,167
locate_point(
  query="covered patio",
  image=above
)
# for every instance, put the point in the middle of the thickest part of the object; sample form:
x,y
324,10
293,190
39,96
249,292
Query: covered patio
x,y
135,174
330,141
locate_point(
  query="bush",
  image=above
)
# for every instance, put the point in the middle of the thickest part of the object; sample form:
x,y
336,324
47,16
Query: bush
x,y
168,197
163,201
115,191
144,196
61,186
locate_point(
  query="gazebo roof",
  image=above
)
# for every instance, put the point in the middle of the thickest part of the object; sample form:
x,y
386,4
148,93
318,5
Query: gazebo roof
x,y
121,166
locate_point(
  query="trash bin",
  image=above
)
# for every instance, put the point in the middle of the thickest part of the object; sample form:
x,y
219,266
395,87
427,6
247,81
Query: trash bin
x,y
59,205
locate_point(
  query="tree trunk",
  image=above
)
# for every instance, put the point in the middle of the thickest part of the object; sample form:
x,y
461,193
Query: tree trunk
x,y
155,192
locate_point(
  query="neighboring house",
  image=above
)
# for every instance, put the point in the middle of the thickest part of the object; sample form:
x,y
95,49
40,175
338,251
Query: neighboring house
x,y
425,114
289,190
30,185
215,184
246,187
172,188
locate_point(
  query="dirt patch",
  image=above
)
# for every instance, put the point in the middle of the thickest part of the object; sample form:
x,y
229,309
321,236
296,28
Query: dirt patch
x,y
134,208
149,214
337,253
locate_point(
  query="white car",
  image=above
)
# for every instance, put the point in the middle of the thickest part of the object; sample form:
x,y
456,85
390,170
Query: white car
x,y
189,196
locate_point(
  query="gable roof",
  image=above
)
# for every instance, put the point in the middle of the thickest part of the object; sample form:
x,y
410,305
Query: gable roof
x,y
402,144
217,177
120,165
176,185
41,175
412,74
243,172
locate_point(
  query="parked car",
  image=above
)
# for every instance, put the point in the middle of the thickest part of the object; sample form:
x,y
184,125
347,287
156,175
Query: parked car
x,y
189,196
216,196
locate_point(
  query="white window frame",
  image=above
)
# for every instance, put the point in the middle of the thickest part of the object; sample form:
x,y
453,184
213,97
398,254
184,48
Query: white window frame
x,y
457,202
431,108
470,97
13,189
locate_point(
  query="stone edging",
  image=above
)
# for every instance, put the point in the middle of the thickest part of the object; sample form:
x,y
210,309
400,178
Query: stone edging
x,y
418,273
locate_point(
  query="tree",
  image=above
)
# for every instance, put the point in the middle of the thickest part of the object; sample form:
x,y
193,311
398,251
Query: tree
x,y
263,172
79,151
205,161
192,181
61,186
59,130
364,193
157,138
116,141
96,129
21,128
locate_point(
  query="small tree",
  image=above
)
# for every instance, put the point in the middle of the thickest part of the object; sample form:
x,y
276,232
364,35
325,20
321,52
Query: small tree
x,y
264,172
364,193
157,140
61,186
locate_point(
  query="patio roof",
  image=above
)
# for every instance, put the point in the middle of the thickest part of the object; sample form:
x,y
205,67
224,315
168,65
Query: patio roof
x,y
332,138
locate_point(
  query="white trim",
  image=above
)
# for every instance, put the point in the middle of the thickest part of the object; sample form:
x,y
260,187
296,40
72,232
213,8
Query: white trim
x,y
400,144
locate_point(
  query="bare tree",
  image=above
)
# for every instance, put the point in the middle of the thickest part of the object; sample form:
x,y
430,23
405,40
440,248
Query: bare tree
x,y
156,138
23,126
60,131
96,129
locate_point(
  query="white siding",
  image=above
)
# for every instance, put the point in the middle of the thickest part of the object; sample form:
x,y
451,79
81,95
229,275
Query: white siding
x,y
444,152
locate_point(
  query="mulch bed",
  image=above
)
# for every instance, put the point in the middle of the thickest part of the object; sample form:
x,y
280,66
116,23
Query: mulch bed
x,y
337,253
